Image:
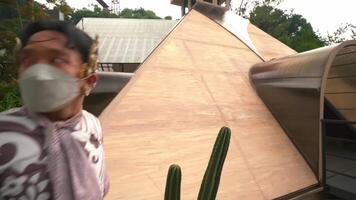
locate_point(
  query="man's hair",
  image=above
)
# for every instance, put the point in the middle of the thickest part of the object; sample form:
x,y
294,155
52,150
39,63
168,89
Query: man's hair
x,y
77,39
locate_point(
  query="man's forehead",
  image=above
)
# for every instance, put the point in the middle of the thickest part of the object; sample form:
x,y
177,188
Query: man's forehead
x,y
48,38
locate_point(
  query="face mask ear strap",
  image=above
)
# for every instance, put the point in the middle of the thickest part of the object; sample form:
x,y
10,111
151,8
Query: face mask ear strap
x,y
89,68
86,89
17,49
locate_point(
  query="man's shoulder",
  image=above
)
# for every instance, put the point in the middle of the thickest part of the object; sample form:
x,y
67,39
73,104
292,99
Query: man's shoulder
x,y
16,120
92,122
88,116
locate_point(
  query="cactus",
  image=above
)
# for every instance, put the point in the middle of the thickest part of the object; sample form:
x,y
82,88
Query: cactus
x,y
211,180
174,177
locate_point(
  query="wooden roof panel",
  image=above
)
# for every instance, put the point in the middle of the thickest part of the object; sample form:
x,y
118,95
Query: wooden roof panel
x,y
171,112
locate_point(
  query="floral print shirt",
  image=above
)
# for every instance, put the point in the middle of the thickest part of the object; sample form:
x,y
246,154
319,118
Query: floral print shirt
x,y
23,154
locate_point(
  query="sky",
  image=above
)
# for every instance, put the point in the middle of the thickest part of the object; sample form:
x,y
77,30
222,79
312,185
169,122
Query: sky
x,y
324,15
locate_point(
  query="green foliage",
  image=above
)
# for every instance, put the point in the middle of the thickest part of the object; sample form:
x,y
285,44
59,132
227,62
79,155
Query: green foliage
x,y
291,29
9,95
96,12
347,31
62,5
173,184
168,17
246,6
15,14
8,9
8,72
7,44
138,13
211,180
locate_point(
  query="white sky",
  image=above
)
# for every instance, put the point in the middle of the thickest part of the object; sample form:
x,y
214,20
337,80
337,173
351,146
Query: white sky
x,y
324,15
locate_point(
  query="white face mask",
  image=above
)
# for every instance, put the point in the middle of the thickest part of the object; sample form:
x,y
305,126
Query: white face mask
x,y
45,88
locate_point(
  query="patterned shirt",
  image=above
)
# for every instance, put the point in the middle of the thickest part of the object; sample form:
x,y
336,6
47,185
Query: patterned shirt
x,y
24,171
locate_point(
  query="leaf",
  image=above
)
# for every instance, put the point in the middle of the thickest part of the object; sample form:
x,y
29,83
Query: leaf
x,y
42,185
23,198
65,9
34,178
43,196
31,192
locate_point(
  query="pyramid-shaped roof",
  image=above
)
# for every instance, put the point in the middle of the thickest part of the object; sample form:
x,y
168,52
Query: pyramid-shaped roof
x,y
194,82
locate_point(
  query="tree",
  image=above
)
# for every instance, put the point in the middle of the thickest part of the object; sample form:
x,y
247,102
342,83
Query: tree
x,y
347,31
9,95
168,17
247,6
291,29
15,14
97,11
288,27
138,13
61,5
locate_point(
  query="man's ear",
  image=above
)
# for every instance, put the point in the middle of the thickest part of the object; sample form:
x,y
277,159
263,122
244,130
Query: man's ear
x,y
92,80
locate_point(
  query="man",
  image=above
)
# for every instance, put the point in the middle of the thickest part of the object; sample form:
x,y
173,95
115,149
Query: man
x,y
51,148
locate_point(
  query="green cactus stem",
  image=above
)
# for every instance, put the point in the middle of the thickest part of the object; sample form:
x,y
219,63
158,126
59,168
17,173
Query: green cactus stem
x,y
173,184
211,180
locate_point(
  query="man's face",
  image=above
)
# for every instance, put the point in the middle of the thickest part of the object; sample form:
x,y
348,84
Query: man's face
x,y
49,47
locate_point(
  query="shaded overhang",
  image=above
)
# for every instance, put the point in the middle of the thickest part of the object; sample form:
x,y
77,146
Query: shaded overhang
x,y
295,87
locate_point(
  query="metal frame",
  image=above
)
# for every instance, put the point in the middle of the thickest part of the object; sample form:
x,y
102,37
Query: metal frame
x,y
325,153
115,67
229,21
293,89
111,82
106,67
107,87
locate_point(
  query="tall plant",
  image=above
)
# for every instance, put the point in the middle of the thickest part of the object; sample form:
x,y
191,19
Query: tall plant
x,y
210,184
173,184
